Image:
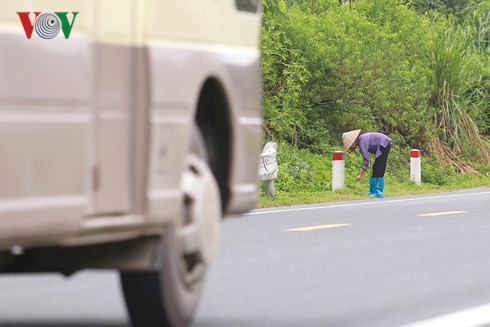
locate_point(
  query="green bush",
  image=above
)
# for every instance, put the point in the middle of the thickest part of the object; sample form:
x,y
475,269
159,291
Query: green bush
x,y
434,174
301,170
339,69
328,69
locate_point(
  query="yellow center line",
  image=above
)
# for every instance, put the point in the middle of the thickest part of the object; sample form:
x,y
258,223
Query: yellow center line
x,y
310,228
440,213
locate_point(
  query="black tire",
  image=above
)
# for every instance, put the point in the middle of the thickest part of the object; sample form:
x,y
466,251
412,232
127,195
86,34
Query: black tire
x,y
169,296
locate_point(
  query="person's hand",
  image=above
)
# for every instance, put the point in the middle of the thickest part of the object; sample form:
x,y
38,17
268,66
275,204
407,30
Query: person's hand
x,y
359,177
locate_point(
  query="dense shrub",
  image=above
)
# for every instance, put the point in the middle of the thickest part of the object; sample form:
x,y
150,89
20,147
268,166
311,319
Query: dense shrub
x,y
338,69
379,65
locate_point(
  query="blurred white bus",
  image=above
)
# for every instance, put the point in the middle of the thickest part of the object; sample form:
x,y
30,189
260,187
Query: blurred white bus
x,y
128,129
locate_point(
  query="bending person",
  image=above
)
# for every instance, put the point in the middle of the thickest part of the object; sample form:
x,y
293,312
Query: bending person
x,y
377,144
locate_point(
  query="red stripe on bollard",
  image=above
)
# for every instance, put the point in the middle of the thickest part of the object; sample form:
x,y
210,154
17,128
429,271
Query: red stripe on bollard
x,y
338,155
415,153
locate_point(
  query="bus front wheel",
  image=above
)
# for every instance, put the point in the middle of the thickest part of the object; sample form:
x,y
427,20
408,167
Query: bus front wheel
x,y
169,295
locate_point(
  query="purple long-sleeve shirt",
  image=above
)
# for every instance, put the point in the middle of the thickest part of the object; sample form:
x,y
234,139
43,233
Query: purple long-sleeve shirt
x,y
370,143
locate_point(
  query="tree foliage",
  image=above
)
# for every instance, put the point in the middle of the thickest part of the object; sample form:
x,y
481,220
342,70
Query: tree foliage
x,y
329,68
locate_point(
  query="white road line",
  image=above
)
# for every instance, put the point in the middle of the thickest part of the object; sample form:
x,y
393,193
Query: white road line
x,y
372,202
473,317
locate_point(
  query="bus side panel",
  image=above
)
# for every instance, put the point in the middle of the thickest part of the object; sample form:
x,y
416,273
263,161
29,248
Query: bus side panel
x,y
208,39
45,124
246,103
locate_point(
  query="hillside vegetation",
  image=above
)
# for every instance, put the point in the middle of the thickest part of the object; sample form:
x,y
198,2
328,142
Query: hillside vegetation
x,y
418,71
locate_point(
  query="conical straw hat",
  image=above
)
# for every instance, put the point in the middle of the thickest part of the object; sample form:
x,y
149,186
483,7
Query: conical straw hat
x,y
349,138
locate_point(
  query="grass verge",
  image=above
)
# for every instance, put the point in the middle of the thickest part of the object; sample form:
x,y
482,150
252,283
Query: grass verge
x,y
358,192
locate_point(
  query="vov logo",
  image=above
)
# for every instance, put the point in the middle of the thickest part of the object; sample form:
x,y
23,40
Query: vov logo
x,y
47,25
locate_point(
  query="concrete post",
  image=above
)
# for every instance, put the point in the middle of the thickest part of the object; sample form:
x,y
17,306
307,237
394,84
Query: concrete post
x,y
338,171
268,167
415,167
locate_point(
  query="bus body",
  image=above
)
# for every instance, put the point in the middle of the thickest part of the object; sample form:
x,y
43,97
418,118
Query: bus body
x,y
126,137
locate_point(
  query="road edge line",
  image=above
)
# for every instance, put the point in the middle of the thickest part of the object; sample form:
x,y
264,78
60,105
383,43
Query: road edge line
x,y
472,317
372,202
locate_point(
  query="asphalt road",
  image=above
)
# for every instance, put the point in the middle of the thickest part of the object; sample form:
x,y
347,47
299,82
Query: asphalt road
x,y
378,262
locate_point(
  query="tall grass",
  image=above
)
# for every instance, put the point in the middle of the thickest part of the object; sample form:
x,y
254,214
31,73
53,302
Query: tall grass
x,y
478,24
458,136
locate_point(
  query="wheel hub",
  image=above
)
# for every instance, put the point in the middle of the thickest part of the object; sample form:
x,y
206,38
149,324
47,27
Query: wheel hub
x,y
200,231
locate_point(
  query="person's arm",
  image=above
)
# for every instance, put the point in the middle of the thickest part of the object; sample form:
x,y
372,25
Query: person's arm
x,y
361,174
365,160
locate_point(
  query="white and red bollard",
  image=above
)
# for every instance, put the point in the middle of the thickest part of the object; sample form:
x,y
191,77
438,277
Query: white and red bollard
x,y
415,167
338,171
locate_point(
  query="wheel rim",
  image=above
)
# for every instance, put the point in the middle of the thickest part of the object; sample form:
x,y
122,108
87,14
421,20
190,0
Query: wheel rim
x,y
198,228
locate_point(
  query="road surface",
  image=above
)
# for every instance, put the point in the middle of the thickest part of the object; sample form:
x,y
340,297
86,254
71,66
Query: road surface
x,y
376,262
